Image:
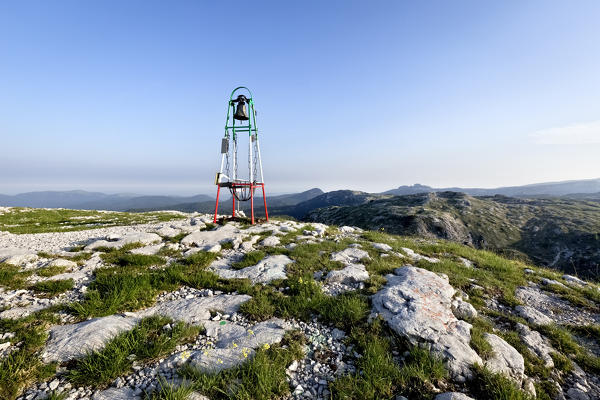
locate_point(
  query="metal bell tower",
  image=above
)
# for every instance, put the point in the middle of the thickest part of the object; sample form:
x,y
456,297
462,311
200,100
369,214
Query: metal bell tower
x,y
239,110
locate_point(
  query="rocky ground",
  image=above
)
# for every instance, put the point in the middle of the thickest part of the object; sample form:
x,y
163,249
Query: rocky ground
x,y
185,309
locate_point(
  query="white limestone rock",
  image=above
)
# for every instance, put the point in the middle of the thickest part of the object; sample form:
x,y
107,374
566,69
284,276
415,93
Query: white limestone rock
x,y
536,343
59,262
134,237
216,360
196,310
267,270
271,241
351,274
573,280
415,256
346,229
532,315
351,255
168,231
148,250
505,359
453,396
74,340
209,239
416,303
382,246
462,309
266,332
17,255
124,393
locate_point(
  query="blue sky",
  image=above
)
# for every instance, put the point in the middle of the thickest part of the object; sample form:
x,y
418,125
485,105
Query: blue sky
x,y
131,96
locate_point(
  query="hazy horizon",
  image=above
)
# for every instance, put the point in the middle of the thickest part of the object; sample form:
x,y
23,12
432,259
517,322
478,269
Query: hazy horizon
x,y
275,193
131,96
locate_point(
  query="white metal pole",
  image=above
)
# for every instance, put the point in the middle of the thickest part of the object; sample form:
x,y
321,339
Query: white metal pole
x,y
262,179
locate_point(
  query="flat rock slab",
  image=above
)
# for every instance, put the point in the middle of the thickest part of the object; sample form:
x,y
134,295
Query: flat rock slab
x,y
271,241
168,231
351,255
353,273
134,237
216,360
532,315
17,255
453,396
382,246
197,310
123,393
416,256
505,359
536,343
59,262
235,345
209,239
148,250
74,340
267,270
416,304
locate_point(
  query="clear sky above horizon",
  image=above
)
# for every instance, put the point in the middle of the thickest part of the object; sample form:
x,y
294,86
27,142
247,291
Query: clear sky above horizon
x,y
131,96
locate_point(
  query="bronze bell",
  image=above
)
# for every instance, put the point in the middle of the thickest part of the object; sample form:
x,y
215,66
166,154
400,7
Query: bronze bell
x,y
241,112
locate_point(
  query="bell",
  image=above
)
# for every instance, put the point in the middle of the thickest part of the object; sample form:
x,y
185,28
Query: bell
x,y
241,112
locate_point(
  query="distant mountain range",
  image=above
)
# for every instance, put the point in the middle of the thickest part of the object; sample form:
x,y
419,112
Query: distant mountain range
x,y
557,232
551,189
588,189
82,200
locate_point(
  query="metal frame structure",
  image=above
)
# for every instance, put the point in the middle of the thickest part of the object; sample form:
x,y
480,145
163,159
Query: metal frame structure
x,y
241,189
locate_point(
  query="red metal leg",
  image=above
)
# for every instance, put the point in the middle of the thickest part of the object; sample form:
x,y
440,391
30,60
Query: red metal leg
x,y
233,210
265,202
252,203
217,204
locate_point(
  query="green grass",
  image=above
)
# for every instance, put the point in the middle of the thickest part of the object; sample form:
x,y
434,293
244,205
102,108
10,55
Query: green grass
x,y
31,220
54,287
379,377
132,285
261,378
50,271
562,340
488,385
23,366
11,276
250,259
170,391
147,341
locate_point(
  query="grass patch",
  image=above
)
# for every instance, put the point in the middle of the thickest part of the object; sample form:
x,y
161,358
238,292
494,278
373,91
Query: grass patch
x,y
51,271
563,341
147,341
170,391
55,287
131,285
11,277
128,259
263,377
488,385
251,258
34,220
380,377
23,366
